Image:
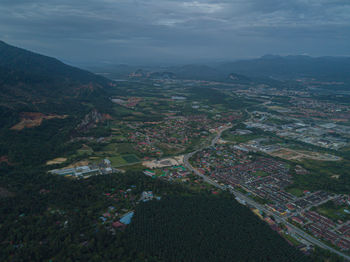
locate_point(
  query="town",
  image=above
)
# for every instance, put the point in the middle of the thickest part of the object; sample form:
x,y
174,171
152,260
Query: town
x,y
266,180
258,150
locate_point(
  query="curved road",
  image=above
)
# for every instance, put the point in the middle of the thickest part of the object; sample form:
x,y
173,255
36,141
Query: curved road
x,y
251,202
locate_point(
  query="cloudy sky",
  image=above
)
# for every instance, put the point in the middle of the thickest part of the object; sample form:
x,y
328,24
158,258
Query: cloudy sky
x,y
162,31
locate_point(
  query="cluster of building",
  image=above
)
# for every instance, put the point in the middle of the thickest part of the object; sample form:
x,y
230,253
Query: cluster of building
x,y
268,179
322,227
118,218
236,167
148,195
175,133
85,171
169,173
315,108
326,135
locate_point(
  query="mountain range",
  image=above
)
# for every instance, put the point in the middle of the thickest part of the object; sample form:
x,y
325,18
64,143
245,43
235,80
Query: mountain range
x,y
265,68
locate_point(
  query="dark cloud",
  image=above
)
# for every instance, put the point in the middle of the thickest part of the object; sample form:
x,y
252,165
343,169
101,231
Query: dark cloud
x,y
173,30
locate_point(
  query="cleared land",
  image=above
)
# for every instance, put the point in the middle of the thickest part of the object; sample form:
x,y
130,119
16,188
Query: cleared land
x,y
291,154
33,119
171,161
56,161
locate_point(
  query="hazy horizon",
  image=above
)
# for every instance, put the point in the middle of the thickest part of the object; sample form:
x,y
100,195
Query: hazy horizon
x,y
175,32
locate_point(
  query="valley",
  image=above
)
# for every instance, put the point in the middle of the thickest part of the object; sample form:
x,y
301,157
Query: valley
x,y
90,167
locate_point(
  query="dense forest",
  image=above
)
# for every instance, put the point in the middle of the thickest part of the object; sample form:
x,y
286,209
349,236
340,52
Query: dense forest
x,y
206,228
45,217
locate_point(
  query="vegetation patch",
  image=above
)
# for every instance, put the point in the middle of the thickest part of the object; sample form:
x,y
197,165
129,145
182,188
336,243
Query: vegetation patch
x,y
206,228
295,191
333,211
117,160
131,158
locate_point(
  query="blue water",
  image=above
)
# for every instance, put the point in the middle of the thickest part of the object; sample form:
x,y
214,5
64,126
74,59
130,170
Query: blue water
x,y
127,218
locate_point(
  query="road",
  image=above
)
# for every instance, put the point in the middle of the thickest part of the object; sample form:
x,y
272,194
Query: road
x,y
251,202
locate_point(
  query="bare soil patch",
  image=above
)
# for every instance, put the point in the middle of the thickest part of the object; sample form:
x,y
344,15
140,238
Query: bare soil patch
x,y
56,161
33,119
171,161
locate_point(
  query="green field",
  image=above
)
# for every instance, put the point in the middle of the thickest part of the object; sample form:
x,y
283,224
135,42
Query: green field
x,y
295,191
120,160
110,147
117,161
320,176
260,173
332,211
131,158
84,152
227,135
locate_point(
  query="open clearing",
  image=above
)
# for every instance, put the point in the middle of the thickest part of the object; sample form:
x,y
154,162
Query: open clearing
x,y
171,161
121,160
291,154
56,161
33,119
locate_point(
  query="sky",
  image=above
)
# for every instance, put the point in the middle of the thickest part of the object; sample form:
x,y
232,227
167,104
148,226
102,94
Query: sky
x,y
174,31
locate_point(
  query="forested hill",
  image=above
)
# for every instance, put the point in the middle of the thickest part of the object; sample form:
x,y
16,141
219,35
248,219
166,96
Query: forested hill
x,y
30,82
23,61
42,100
29,77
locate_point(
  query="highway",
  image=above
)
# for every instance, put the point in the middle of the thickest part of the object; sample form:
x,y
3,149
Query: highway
x,y
254,204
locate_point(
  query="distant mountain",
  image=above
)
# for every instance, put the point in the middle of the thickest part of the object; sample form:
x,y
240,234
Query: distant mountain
x,y
30,82
292,67
163,75
197,72
320,72
238,78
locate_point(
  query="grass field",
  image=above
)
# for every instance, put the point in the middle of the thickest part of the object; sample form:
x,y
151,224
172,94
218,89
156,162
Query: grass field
x,y
120,160
333,212
260,173
131,158
87,151
295,191
110,147
239,138
117,160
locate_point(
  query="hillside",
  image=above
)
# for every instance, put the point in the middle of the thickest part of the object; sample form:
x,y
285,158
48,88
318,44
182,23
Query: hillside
x,y
33,82
21,60
41,101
